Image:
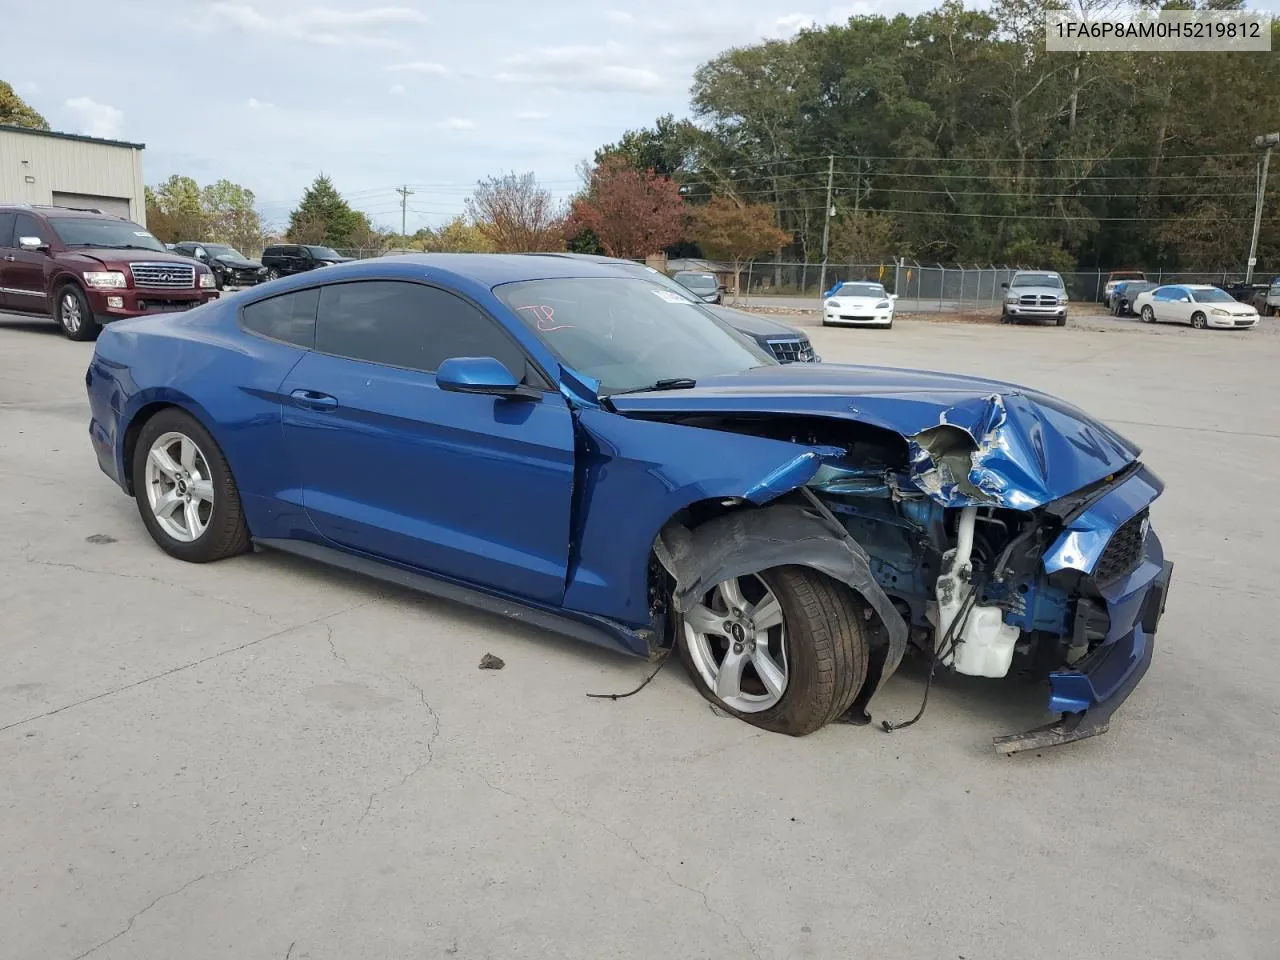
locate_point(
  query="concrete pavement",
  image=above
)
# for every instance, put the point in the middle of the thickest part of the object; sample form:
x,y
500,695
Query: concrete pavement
x,y
265,758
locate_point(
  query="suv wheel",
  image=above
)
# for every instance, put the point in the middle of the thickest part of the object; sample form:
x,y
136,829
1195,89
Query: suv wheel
x,y
273,273
74,315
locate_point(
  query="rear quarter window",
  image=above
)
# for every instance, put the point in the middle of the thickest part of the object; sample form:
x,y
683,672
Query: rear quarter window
x,y
289,318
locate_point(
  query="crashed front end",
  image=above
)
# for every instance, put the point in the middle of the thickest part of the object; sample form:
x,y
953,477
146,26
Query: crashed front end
x,y
993,573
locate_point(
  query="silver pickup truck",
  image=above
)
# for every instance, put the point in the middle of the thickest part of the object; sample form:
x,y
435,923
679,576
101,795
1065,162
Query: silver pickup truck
x,y
1035,295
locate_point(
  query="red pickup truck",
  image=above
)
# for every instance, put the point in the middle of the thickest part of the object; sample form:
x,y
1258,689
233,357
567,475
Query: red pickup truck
x,y
84,268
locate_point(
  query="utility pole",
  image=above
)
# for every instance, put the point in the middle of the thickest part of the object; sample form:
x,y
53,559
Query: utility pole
x,y
1265,144
405,194
826,226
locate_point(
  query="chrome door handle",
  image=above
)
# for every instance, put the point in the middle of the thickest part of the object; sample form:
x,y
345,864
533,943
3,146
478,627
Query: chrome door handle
x,y
10,257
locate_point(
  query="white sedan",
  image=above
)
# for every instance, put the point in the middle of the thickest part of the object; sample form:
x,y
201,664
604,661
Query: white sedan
x,y
1198,304
859,304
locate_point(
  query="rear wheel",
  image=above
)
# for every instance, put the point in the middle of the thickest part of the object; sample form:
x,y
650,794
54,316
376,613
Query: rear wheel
x,y
74,315
185,492
785,649
1148,315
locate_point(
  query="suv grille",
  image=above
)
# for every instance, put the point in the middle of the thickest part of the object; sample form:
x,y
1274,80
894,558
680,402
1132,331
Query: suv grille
x,y
792,351
164,276
1123,551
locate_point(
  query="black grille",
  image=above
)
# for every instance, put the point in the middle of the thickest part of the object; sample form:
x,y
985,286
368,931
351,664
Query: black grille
x,y
792,351
1123,551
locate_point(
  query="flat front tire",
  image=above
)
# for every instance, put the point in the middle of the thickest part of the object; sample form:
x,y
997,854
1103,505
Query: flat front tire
x,y
185,492
785,649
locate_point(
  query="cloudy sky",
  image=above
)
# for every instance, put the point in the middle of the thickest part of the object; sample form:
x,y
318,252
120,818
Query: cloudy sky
x,y
431,93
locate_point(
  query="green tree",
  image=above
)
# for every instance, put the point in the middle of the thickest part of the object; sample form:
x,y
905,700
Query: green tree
x,y
230,216
175,211
668,148
322,216
15,112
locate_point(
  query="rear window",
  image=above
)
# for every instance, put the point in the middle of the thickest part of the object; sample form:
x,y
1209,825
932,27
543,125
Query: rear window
x,y
290,318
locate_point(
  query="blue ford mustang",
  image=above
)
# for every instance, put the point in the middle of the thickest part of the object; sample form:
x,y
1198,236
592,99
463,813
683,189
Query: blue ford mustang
x,y
578,447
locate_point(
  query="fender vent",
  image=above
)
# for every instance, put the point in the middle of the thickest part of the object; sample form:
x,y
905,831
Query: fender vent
x,y
1123,551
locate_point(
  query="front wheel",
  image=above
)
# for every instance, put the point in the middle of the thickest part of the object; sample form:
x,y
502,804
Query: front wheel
x,y
74,315
273,274
785,649
1062,321
1198,320
186,495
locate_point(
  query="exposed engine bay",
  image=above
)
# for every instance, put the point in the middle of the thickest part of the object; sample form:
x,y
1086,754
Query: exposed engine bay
x,y
969,580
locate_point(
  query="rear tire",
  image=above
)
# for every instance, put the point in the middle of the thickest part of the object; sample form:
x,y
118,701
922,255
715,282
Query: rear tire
x,y
820,643
177,464
74,315
1148,315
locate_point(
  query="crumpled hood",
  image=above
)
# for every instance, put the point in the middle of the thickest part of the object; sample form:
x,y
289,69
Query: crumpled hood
x,y
970,441
239,263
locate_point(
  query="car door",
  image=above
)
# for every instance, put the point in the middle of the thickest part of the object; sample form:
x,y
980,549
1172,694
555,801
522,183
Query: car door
x,y
1176,306
477,488
7,243
24,274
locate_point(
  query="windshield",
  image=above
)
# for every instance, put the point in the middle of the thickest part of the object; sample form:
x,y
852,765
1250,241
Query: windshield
x,y
1036,280
699,282
222,250
325,253
112,234
656,276
1212,296
860,290
1127,276
628,334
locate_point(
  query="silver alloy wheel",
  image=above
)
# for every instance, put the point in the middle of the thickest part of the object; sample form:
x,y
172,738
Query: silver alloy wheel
x,y
736,639
1197,321
69,308
273,274
179,487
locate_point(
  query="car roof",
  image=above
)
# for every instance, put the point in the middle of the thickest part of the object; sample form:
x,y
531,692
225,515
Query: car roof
x,y
486,269
55,213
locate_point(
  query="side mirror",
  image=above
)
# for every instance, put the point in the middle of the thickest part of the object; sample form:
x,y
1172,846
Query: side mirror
x,y
1004,286
201,253
482,375
32,244
893,296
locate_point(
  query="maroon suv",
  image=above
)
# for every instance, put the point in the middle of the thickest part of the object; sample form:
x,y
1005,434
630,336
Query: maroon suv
x,y
84,269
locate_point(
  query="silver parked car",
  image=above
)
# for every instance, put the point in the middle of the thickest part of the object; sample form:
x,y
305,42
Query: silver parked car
x,y
1035,295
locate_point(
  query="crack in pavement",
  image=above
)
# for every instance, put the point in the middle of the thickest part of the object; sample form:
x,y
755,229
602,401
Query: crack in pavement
x,y
160,580
333,649
630,845
178,669
430,758
173,893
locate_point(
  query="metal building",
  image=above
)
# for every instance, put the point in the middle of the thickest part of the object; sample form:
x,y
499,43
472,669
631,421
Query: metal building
x,y
68,170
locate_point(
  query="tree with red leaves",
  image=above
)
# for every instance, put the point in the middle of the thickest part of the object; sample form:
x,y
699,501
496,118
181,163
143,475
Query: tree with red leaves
x,y
632,214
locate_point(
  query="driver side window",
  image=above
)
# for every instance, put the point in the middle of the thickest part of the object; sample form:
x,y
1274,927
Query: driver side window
x,y
413,326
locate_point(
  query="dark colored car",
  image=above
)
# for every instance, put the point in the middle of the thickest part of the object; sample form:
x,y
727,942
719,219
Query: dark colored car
x,y
787,344
587,452
84,268
284,259
1125,293
230,267
705,286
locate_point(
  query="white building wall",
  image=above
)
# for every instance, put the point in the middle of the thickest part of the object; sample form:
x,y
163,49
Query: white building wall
x,y
35,165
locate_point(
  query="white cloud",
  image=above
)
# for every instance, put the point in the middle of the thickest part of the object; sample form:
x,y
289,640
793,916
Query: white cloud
x,y
419,66
790,24
317,24
95,119
255,104
396,90
605,67
531,115
456,123
620,16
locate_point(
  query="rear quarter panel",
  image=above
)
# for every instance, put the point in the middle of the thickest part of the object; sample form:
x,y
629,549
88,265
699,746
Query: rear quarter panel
x,y
229,380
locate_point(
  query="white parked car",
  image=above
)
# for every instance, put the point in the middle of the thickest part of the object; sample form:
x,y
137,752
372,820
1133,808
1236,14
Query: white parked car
x,y
858,304
1198,304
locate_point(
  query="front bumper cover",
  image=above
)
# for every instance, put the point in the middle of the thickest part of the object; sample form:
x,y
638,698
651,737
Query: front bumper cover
x,y
1089,695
